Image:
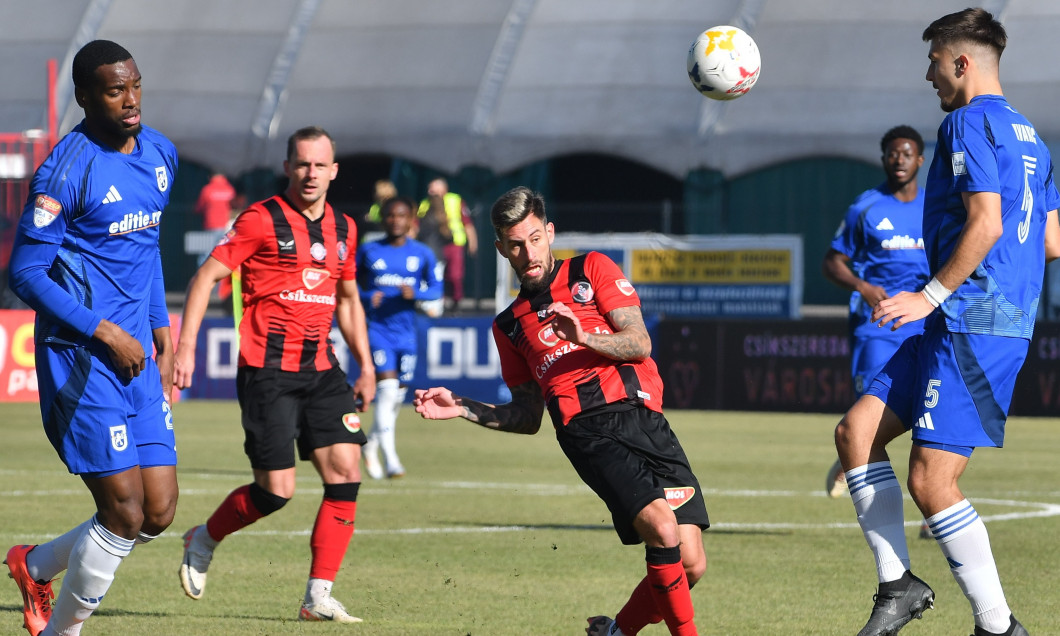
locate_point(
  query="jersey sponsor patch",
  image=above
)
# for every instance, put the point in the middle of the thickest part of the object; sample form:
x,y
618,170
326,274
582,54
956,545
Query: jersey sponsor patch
x,y
678,497
624,286
352,422
119,438
318,251
581,291
313,277
957,162
548,336
45,209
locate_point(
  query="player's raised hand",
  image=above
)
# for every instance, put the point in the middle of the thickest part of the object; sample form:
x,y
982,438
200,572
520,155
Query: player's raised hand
x,y
565,324
437,403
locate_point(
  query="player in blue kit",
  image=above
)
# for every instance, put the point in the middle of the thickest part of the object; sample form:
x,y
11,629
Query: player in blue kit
x,y
989,227
86,258
879,250
393,273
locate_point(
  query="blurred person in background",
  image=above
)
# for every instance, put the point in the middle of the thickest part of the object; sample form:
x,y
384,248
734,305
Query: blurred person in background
x,y
393,273
877,251
215,203
464,237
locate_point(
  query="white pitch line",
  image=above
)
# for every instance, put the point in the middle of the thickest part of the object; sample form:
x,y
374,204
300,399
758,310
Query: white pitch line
x,y
1032,509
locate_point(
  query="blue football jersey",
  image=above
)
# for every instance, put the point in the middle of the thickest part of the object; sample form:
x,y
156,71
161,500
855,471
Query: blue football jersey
x,y
883,237
103,209
384,267
987,146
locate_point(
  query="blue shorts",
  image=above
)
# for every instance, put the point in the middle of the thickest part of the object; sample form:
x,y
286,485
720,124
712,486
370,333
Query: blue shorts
x,y
101,424
390,358
952,389
870,351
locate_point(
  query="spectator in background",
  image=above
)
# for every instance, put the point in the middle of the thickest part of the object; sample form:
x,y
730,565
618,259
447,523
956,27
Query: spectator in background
x,y
215,203
458,219
384,190
434,232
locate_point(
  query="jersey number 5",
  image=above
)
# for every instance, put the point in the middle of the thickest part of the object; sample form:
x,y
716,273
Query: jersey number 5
x,y
931,396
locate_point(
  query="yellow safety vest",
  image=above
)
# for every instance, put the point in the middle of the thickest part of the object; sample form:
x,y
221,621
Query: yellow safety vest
x,y
454,212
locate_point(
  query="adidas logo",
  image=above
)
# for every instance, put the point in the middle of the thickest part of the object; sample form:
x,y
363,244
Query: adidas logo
x,y
112,196
379,264
925,422
885,224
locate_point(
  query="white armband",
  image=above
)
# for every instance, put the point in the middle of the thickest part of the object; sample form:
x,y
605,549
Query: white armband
x,y
935,293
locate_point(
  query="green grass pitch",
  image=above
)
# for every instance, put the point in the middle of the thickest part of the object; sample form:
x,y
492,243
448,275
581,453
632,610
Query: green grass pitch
x,y
492,534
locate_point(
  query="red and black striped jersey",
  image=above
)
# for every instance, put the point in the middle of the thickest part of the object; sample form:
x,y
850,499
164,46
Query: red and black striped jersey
x,y
574,379
290,267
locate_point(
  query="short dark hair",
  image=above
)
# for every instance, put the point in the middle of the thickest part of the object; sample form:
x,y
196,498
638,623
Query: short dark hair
x,y
970,25
902,132
394,200
309,133
93,55
514,206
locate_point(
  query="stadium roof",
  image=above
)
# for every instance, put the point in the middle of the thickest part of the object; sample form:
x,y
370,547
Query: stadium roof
x,y
501,83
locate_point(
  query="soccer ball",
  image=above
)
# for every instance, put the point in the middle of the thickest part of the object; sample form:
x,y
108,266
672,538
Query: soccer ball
x,y
723,63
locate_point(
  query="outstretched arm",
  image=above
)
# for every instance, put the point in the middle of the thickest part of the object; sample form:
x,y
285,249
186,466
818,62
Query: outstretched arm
x,y
198,298
521,415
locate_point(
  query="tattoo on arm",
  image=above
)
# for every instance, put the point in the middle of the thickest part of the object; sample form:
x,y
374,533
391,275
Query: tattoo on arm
x,y
630,339
521,415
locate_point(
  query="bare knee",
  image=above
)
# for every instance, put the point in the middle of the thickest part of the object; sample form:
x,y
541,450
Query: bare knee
x,y
695,568
123,518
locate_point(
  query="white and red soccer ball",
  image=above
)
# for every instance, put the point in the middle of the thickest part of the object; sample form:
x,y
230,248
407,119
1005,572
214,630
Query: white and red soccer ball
x,y
724,63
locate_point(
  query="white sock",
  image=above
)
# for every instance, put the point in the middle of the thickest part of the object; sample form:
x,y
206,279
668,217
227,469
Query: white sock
x,y
317,590
963,539
47,560
389,395
877,498
93,561
142,538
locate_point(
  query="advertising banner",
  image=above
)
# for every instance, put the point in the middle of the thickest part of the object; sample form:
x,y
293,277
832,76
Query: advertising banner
x,y
746,276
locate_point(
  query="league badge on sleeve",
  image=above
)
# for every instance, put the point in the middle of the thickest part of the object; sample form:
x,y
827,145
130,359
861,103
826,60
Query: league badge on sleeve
x,y
625,286
45,209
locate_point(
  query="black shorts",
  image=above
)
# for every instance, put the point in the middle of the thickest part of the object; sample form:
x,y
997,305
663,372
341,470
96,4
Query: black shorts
x,y
313,408
629,457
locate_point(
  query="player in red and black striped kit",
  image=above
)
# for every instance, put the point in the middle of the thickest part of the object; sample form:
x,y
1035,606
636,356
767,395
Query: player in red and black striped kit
x,y
575,341
297,260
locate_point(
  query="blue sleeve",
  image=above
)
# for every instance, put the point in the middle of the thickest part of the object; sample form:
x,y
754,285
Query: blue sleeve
x,y
846,240
364,275
430,287
159,311
30,262
974,156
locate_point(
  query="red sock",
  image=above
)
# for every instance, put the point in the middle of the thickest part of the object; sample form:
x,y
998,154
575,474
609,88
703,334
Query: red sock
x,y
669,587
237,511
332,532
639,611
